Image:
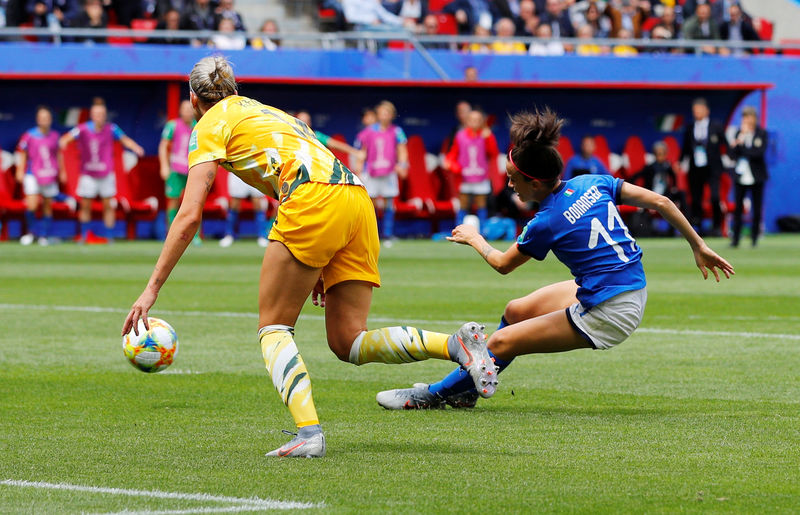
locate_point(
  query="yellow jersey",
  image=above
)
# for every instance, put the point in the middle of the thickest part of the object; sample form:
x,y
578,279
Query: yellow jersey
x,y
265,147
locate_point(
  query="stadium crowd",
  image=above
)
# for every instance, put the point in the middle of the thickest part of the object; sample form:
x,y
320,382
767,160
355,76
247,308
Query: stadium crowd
x,y
667,20
467,177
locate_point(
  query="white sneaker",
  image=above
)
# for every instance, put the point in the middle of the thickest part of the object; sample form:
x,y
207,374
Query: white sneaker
x,y
226,242
43,241
26,239
263,242
467,347
300,447
388,244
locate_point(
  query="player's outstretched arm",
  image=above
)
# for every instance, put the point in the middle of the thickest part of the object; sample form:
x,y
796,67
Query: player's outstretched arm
x,y
705,258
503,262
131,145
183,228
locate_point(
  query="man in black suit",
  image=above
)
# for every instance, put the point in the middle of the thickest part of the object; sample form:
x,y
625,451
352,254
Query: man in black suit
x,y
702,145
556,16
751,172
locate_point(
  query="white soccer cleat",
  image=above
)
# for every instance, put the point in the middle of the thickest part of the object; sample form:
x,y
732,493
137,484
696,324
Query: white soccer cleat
x,y
26,239
262,242
467,347
42,241
301,447
226,242
417,397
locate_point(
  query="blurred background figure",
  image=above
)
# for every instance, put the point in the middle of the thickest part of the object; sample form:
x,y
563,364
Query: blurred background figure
x,y
702,26
40,167
660,176
267,40
227,38
238,191
385,162
224,10
702,146
748,151
544,46
504,29
584,162
173,157
473,149
333,144
170,21
92,16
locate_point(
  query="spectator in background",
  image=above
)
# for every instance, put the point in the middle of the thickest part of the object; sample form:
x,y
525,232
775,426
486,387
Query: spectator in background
x,y
527,21
504,9
96,144
474,147
40,167
702,26
626,14
369,15
227,38
51,13
624,50
92,16
482,47
173,158
333,144
556,16
386,160
413,12
226,10
671,29
660,177
504,28
171,21
368,117
470,14
702,146
748,150
12,13
598,21
585,32
545,46
198,15
585,162
430,27
268,41
470,74
737,28
463,108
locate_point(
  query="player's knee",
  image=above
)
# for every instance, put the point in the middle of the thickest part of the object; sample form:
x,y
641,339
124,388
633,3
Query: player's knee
x,y
499,343
515,311
341,343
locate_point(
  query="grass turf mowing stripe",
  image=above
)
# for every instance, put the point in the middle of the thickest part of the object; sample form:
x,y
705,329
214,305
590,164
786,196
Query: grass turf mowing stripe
x,y
233,314
253,502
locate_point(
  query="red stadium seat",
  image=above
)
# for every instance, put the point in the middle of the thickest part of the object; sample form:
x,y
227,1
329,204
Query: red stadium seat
x,y
447,24
436,6
673,149
633,156
416,197
602,151
399,45
792,51
143,25
344,157
143,193
12,207
119,40
565,148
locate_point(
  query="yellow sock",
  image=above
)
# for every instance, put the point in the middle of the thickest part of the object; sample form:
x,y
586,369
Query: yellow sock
x,y
288,373
398,345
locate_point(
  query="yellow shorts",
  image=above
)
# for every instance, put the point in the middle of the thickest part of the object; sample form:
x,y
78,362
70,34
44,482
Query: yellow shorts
x,y
333,227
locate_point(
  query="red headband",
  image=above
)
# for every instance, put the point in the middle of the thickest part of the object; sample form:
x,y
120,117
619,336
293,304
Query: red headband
x,y
511,160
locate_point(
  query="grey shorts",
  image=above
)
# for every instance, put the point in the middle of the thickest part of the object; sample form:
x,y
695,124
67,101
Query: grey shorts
x,y
611,322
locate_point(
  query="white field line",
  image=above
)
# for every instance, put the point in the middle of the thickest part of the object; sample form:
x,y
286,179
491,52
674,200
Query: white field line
x,y
240,504
389,320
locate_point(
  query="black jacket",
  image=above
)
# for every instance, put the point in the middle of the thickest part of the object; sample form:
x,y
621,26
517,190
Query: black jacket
x,y
648,174
713,146
748,32
754,154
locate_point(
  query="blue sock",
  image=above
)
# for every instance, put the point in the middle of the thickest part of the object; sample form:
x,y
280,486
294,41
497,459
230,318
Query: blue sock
x,y
459,381
388,219
483,216
230,222
30,221
110,232
460,216
83,228
261,224
45,224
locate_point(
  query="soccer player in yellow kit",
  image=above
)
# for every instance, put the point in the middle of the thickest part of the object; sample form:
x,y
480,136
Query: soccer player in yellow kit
x,y
324,242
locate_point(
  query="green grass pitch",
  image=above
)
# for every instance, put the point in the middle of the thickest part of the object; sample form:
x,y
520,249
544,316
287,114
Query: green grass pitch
x,y
699,411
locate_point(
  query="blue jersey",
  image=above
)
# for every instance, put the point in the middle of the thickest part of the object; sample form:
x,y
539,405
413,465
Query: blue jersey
x,y
580,223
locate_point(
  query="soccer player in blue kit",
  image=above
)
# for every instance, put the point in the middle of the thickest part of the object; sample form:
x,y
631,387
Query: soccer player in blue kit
x,y
579,222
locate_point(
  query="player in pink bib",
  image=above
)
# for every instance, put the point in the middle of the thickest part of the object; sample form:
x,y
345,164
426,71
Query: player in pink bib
x,y
96,144
386,159
173,156
474,147
40,167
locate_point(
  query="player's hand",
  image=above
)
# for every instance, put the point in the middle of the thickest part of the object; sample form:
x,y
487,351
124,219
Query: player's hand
x,y
138,150
139,310
318,293
707,259
463,234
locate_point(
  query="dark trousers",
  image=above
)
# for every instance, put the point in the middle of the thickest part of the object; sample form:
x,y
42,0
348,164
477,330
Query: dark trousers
x,y
757,198
698,178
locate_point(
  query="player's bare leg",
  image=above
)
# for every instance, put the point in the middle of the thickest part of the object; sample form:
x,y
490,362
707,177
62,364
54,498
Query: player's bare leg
x,y
31,203
278,308
109,217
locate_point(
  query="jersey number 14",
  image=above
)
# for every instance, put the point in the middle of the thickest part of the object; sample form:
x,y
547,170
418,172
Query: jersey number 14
x,y
614,220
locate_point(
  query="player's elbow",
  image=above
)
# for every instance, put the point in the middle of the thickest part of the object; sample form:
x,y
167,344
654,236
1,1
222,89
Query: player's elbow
x,y
504,268
662,203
